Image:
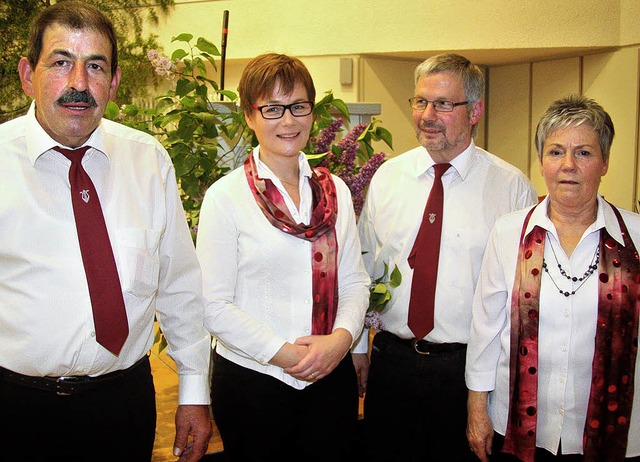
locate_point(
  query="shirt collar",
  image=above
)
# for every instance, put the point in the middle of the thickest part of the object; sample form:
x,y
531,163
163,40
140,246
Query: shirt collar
x,y
38,140
461,163
265,172
605,218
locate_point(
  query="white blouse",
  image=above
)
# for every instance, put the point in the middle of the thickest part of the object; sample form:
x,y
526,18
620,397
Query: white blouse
x,y
257,280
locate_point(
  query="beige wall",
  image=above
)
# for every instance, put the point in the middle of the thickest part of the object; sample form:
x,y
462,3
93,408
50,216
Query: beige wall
x,y
597,44
612,79
335,27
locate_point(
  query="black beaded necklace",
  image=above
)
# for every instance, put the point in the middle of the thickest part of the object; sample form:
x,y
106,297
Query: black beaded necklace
x,y
590,270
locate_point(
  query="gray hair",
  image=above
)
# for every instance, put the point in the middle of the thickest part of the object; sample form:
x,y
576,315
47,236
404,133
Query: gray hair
x,y
573,111
450,63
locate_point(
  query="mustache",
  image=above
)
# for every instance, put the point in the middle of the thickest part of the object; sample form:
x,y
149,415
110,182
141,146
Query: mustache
x,y
74,96
430,124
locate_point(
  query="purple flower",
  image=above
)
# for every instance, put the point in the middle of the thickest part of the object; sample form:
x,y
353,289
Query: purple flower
x,y
162,65
373,320
327,137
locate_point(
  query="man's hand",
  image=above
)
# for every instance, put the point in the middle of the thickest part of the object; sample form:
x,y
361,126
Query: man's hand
x,y
479,428
192,421
361,364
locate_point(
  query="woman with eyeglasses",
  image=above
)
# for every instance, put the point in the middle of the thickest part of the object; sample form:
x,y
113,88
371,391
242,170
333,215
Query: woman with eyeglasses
x,y
285,288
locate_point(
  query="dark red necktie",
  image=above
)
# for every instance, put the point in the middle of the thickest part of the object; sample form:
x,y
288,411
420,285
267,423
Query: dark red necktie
x,y
109,315
424,259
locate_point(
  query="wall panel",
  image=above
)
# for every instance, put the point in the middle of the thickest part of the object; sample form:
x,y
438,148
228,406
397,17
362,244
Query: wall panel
x,y
507,114
612,80
550,80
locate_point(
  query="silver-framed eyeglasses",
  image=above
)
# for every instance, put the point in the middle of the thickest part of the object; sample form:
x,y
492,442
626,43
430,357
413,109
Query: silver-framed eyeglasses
x,y
276,111
420,104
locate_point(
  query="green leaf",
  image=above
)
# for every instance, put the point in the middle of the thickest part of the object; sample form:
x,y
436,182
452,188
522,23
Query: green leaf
x,y
198,63
178,54
184,86
206,46
171,117
231,95
320,156
342,107
385,135
210,58
163,344
326,100
182,38
396,277
111,111
380,288
131,110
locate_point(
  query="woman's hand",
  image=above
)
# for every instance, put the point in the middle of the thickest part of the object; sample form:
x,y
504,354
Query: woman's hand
x,y
289,355
479,427
324,353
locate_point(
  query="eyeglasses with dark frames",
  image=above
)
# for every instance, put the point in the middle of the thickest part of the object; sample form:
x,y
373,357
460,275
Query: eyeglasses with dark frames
x,y
276,111
420,104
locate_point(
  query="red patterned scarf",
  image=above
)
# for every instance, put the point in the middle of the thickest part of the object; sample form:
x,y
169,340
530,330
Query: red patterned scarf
x,y
320,232
616,345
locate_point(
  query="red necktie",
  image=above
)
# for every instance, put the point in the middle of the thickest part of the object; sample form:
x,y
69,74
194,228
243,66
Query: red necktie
x,y
109,315
424,259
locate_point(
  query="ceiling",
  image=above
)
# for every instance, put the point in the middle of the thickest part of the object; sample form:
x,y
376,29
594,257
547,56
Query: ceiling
x,y
501,57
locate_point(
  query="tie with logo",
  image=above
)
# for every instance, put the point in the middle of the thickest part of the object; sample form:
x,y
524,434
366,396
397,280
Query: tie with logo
x,y
109,315
424,259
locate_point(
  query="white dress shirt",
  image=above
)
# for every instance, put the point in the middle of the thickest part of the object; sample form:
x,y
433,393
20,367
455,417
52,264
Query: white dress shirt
x,y
478,188
46,321
567,329
257,279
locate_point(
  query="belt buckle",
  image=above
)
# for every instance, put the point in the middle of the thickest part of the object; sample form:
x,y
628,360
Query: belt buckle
x,y
416,346
59,381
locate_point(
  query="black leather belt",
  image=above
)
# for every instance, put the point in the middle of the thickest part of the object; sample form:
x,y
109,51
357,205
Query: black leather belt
x,y
65,386
423,347
426,348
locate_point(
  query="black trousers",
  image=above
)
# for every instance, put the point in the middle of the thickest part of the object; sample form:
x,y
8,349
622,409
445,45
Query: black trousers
x,y
114,422
260,418
542,455
415,407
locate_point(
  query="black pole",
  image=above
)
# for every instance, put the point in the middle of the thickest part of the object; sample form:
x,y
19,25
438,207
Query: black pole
x,y
223,50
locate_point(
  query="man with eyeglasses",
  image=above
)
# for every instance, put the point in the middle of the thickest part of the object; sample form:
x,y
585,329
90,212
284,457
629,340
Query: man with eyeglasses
x,y
415,403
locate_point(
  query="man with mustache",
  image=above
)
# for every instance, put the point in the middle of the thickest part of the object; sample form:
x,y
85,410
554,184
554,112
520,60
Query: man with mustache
x,y
415,403
94,246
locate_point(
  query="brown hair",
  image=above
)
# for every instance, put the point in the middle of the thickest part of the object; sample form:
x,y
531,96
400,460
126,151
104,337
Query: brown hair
x,y
74,15
264,72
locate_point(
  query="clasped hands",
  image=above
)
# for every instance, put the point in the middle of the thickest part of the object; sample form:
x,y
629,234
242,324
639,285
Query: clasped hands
x,y
313,357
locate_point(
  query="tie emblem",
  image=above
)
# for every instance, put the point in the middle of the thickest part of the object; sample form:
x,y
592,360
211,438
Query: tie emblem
x,y
85,196
432,217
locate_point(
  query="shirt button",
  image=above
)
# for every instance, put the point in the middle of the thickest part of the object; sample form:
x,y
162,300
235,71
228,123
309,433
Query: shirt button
x,y
563,348
93,334
566,314
307,331
561,411
561,379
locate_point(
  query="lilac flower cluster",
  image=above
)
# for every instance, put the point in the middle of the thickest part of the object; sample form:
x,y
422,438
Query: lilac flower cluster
x,y
162,65
356,177
373,320
357,183
327,137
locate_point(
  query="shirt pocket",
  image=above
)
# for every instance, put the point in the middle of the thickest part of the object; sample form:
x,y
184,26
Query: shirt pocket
x,y
139,262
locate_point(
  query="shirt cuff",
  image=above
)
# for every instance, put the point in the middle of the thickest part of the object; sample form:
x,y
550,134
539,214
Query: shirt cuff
x,y
362,344
193,389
